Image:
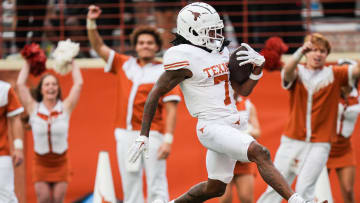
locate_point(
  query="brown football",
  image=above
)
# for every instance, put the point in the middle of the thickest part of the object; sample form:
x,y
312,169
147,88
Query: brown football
x,y
239,73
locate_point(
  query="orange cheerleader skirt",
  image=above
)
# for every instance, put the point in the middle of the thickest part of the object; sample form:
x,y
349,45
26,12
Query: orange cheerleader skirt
x,y
245,168
51,167
342,154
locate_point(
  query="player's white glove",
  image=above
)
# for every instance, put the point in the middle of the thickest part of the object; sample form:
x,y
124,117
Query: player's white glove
x,y
347,61
140,145
250,56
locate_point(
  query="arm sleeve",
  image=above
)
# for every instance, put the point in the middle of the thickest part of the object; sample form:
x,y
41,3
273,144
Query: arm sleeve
x,y
13,107
343,74
175,59
115,62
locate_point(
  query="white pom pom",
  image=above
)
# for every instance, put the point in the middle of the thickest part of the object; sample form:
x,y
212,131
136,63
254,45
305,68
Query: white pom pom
x,y
64,54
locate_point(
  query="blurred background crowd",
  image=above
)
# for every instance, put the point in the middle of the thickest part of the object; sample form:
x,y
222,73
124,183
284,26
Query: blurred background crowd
x,y
253,21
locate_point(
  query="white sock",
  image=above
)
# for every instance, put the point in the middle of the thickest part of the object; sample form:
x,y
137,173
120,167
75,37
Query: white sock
x,y
172,201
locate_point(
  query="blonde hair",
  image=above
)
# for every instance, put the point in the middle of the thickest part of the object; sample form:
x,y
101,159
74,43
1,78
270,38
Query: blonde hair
x,y
319,40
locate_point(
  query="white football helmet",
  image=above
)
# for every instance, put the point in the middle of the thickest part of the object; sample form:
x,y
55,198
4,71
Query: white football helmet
x,y
200,24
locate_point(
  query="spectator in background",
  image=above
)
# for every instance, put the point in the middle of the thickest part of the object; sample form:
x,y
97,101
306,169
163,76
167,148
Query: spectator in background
x,y
281,19
75,25
235,10
135,78
108,22
314,96
342,155
10,110
165,14
8,25
36,11
244,173
49,120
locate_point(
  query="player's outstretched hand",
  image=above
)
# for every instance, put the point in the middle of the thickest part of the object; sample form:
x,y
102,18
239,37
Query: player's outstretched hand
x,y
94,12
250,56
140,145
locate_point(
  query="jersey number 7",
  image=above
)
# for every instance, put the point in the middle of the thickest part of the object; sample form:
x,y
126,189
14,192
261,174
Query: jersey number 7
x,y
225,78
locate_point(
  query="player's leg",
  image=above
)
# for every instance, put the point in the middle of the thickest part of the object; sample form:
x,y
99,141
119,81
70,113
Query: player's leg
x,y
314,162
227,196
227,139
7,193
346,180
156,171
59,191
261,156
285,161
130,173
220,172
245,187
43,192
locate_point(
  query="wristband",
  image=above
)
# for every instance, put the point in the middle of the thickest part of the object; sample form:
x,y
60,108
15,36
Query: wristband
x,y
255,77
18,143
298,54
90,24
168,138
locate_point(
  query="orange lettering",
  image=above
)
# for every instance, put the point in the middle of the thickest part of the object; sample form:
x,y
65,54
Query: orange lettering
x,y
219,67
207,71
215,71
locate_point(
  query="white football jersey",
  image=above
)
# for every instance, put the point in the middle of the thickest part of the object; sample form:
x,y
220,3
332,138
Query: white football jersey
x,y
208,93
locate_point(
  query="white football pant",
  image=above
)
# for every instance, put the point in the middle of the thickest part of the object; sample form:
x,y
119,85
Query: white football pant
x,y
304,159
226,143
7,192
132,173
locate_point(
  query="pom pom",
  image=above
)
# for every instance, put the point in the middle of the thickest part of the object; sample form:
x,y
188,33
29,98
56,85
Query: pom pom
x,y
36,58
274,48
64,54
272,60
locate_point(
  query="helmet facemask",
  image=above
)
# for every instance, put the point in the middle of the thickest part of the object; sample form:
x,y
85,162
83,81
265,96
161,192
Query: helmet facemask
x,y
213,38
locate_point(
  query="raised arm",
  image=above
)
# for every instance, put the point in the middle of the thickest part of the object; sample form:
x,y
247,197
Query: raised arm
x,y
290,66
74,95
167,81
94,37
24,93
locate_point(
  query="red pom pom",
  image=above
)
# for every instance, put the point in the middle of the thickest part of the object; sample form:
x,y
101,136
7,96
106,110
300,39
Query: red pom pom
x,y
274,48
276,44
272,60
36,58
